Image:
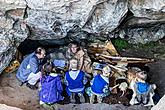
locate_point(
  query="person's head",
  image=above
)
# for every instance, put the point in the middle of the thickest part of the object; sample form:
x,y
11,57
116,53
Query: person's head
x,y
73,64
98,67
106,71
74,46
48,68
141,76
132,73
40,52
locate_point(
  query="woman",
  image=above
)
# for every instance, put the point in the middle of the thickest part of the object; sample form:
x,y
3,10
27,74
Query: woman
x,y
75,51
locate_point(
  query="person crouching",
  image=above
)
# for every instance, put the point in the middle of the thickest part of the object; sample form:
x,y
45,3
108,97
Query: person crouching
x,y
75,80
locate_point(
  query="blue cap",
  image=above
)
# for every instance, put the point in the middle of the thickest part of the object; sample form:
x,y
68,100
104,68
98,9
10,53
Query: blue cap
x,y
99,66
59,63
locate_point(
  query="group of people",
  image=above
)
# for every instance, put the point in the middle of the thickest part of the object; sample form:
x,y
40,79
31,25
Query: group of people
x,y
75,79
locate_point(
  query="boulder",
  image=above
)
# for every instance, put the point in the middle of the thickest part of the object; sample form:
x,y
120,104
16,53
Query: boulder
x,y
160,104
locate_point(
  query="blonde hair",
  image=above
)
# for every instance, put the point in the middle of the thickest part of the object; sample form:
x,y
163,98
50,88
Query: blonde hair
x,y
106,70
73,64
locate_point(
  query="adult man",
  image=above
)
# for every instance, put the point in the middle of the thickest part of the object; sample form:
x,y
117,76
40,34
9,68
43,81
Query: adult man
x,y
29,70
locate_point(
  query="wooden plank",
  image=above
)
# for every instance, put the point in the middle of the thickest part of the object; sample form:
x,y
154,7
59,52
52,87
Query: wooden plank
x,y
125,59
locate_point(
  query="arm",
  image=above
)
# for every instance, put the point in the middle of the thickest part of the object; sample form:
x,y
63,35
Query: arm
x,y
33,63
106,89
65,81
67,54
134,89
111,88
39,85
59,85
91,83
81,62
84,80
80,56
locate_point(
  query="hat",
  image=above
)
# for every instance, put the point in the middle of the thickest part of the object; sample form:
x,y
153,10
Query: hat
x,y
99,66
136,69
59,63
106,71
73,64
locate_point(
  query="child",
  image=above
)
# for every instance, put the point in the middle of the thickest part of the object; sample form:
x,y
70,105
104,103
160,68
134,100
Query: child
x,y
51,86
143,92
75,81
99,85
97,68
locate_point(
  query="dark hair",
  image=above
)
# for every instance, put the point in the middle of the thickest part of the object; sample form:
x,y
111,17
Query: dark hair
x,y
48,67
38,50
75,43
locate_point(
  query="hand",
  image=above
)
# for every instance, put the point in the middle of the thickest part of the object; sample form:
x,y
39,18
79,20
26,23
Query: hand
x,y
97,54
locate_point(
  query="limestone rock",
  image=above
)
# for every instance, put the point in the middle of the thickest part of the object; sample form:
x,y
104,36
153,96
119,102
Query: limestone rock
x,y
160,104
6,5
12,33
143,34
106,16
152,9
157,75
54,19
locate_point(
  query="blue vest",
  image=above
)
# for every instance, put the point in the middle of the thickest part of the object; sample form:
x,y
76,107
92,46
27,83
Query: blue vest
x,y
142,87
77,83
98,84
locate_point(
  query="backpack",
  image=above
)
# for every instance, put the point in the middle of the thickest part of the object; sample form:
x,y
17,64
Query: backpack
x,y
142,87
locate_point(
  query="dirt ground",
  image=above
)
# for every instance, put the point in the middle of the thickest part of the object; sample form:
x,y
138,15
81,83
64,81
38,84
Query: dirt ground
x,y
22,97
14,95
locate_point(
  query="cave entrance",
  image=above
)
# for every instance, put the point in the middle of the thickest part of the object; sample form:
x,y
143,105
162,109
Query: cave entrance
x,y
29,46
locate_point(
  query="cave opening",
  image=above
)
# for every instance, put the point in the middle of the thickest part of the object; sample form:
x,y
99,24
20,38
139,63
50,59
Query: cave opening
x,y
28,46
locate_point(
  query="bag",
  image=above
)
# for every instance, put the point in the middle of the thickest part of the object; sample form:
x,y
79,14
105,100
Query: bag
x,y
142,87
59,63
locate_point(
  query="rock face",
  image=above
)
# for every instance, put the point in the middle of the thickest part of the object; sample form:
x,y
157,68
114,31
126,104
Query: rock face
x,y
147,22
13,30
65,20
160,104
54,19
157,75
151,9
